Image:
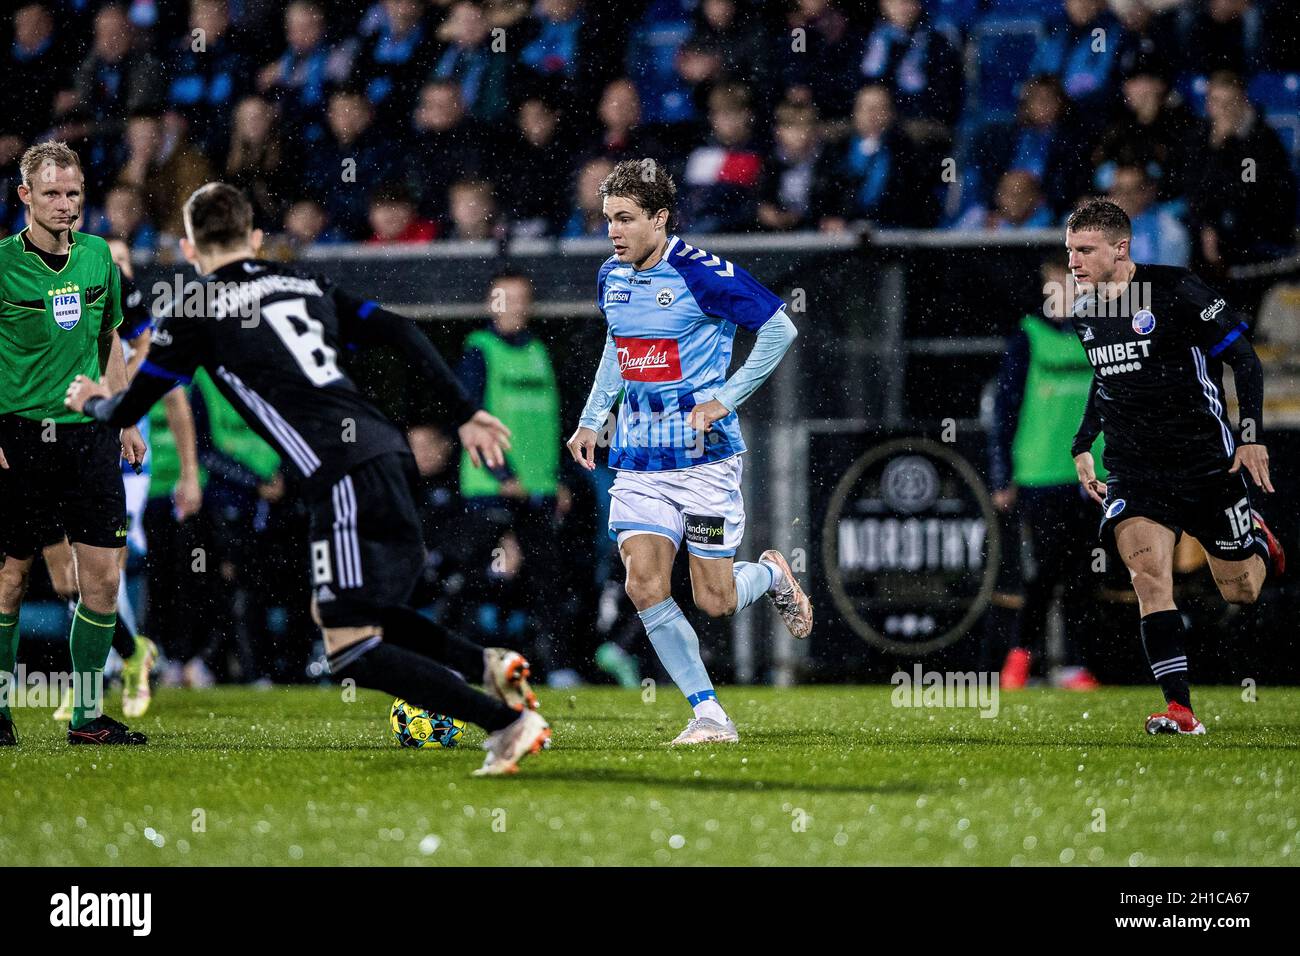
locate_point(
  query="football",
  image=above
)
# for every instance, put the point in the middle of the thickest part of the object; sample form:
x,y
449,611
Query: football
x,y
414,727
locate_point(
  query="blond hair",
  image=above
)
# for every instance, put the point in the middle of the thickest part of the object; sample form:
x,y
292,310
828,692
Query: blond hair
x,y
52,154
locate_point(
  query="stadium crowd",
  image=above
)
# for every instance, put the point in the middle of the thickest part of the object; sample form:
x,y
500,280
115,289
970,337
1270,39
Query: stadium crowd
x,y
419,121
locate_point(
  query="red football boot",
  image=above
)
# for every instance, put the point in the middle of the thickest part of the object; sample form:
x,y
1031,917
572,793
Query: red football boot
x,y
1277,556
1015,669
1176,720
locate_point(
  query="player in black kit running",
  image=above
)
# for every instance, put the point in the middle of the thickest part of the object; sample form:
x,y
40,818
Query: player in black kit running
x,y
269,335
1158,338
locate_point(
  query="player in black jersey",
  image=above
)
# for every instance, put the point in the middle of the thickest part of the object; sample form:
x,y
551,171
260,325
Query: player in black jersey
x,y
268,334
1158,338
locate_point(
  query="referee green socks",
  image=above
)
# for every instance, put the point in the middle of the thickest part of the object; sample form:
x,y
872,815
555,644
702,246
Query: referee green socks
x,y
8,661
92,636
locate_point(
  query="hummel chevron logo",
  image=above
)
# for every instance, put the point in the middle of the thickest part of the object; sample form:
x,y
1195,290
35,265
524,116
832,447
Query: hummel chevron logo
x,y
710,262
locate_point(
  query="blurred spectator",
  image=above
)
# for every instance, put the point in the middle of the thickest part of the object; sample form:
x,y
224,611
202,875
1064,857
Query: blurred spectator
x,y
917,62
1080,47
786,198
298,81
392,64
1242,206
551,48
123,217
725,46
350,154
623,136
815,55
305,224
873,176
1043,140
393,218
720,187
588,217
164,167
536,174
448,145
36,55
469,60
438,501
113,82
1150,35
208,72
1223,35
473,210
1158,237
1018,204
257,161
1151,132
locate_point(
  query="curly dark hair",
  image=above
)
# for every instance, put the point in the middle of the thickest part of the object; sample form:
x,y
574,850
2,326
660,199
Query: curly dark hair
x,y
646,183
1100,214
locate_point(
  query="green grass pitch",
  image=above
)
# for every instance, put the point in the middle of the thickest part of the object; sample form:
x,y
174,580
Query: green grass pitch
x,y
823,775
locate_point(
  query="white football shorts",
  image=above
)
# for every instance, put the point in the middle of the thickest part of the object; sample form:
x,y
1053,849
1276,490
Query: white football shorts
x,y
702,505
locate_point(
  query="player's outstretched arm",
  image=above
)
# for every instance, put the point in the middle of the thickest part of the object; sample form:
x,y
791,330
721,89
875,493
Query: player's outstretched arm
x,y
1088,431
1248,374
604,392
775,337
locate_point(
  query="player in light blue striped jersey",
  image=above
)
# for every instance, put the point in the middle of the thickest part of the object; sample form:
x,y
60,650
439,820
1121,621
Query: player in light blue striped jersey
x,y
672,312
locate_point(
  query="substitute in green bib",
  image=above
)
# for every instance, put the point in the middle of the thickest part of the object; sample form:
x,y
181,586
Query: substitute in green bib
x,y
1042,390
60,306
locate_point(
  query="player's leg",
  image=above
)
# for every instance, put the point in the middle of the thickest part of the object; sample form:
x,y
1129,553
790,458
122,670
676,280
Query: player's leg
x,y
1241,549
138,653
14,573
63,578
1147,550
366,554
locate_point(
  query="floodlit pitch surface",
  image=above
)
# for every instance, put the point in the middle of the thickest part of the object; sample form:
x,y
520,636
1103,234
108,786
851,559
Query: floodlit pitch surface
x,y
829,775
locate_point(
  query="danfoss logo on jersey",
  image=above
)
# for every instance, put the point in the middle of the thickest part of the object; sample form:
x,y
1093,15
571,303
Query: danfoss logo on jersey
x,y
648,360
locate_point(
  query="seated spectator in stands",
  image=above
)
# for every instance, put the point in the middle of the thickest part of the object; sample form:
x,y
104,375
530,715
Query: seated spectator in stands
x,y
786,193
1043,140
1150,34
306,224
113,82
1018,204
551,49
1083,60
208,73
123,218
588,216
719,191
829,52
392,64
13,215
873,176
37,54
1242,206
448,145
622,135
393,218
724,46
1158,237
1223,35
473,210
163,165
352,151
258,162
469,60
298,82
1152,132
537,172
917,62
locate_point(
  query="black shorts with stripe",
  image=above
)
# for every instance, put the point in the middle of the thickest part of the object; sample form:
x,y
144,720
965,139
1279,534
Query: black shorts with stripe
x,y
366,547
1213,510
62,479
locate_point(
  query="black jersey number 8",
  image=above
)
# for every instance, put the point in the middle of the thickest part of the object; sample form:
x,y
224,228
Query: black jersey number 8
x,y
303,337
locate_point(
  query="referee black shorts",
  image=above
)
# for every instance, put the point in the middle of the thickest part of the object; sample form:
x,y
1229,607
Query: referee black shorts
x,y
61,480
366,547
1214,510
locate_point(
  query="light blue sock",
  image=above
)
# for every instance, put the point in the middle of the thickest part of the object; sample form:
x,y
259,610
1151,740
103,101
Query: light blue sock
x,y
678,648
753,580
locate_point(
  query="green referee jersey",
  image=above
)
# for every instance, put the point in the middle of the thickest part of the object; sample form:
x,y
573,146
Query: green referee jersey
x,y
50,323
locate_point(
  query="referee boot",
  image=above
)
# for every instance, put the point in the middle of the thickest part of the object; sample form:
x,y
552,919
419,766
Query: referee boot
x,y
8,736
105,730
1277,557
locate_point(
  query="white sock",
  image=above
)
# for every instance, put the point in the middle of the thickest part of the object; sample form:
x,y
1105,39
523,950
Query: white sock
x,y
711,710
777,575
